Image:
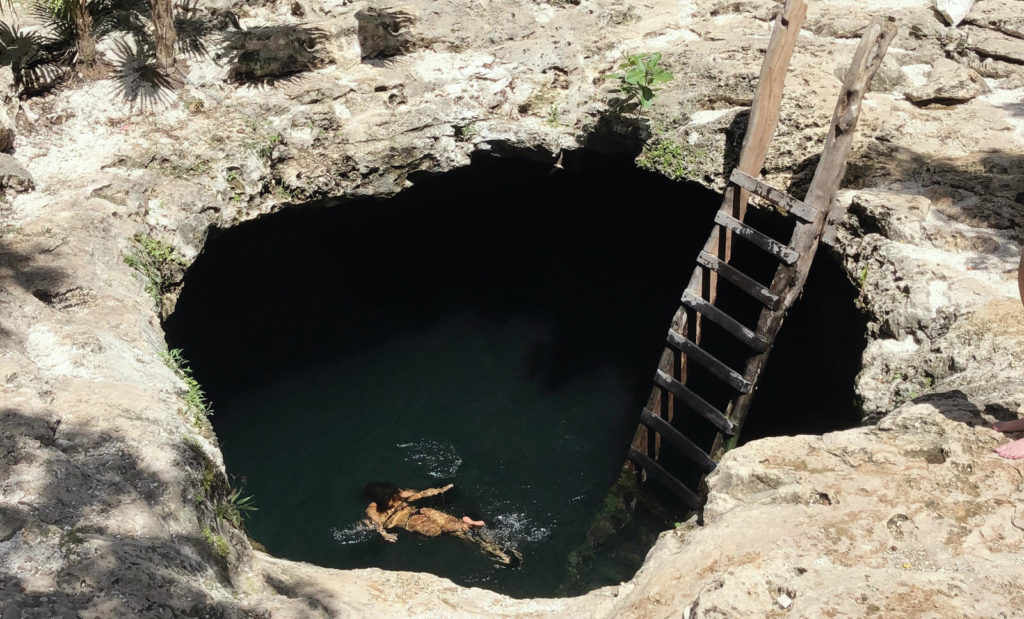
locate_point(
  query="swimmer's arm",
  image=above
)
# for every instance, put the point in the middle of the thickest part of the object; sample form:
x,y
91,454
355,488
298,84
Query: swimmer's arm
x,y
411,495
373,516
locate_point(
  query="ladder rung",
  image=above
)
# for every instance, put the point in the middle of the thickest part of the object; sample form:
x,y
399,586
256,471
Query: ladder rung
x,y
704,358
740,280
782,252
695,402
717,316
780,199
660,475
678,440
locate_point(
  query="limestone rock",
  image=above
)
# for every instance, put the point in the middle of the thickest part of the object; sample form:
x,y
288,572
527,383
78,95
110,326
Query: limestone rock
x,y
14,176
994,44
954,11
100,474
8,108
1004,17
948,82
851,519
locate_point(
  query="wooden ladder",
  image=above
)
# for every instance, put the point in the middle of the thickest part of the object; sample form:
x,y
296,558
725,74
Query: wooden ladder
x,y
815,218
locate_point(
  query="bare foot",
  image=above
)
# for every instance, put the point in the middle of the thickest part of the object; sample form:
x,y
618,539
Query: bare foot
x,y
473,523
1013,451
1016,425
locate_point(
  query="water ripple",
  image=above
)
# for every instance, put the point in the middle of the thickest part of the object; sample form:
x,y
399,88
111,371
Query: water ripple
x,y
437,458
354,534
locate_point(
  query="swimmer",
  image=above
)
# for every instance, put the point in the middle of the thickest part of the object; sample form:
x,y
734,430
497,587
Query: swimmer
x,y
390,508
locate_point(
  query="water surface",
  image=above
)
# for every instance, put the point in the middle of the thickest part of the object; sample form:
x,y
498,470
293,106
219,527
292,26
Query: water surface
x,y
496,328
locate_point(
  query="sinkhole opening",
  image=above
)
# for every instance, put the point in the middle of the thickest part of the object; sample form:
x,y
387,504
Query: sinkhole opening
x,y
496,327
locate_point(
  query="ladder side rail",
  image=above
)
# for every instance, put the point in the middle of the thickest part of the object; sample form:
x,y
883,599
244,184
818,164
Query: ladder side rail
x,y
765,109
789,282
763,120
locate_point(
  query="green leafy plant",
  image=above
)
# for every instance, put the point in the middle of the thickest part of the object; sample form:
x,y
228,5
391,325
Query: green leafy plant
x,y
195,398
639,80
235,507
674,160
156,260
266,149
465,133
218,543
280,192
554,115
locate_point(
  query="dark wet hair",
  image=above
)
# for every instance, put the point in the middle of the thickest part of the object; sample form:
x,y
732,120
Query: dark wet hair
x,y
380,492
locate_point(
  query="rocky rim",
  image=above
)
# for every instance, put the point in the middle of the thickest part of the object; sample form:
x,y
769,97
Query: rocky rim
x,y
108,483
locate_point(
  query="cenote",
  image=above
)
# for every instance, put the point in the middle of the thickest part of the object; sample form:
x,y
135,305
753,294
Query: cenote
x,y
495,327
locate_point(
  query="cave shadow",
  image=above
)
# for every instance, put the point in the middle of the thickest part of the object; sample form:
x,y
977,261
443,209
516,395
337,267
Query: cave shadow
x,y
591,257
89,474
734,135
373,258
31,271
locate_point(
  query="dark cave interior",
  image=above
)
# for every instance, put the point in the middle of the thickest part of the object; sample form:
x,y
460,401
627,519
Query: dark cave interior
x,y
496,327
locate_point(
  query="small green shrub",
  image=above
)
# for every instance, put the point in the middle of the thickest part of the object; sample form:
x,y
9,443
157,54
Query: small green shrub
x,y
281,193
266,149
69,540
218,543
156,261
667,157
465,133
195,398
235,507
190,170
554,115
639,80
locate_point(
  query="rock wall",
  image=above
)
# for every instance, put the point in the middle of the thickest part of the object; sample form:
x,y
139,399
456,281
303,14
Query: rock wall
x,y
110,484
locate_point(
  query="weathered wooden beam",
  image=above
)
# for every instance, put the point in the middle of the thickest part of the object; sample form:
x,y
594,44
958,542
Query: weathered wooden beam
x,y
696,403
758,239
678,440
764,110
663,477
761,125
702,357
780,199
729,324
747,284
789,282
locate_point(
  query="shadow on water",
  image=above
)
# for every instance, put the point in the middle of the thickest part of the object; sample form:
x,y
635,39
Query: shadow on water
x,y
496,327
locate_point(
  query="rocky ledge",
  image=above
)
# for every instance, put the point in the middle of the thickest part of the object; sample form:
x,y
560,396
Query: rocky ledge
x,y
110,482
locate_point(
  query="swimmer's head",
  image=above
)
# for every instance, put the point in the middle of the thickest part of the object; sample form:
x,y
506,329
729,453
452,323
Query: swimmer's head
x,y
381,492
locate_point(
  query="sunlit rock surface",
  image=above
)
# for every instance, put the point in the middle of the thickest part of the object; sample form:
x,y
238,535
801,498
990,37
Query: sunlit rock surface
x,y
108,483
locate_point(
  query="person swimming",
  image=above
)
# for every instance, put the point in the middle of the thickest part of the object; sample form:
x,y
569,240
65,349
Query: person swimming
x,y
390,508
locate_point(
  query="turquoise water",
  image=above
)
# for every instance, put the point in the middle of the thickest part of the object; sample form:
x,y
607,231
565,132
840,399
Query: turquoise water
x,y
451,404
495,328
